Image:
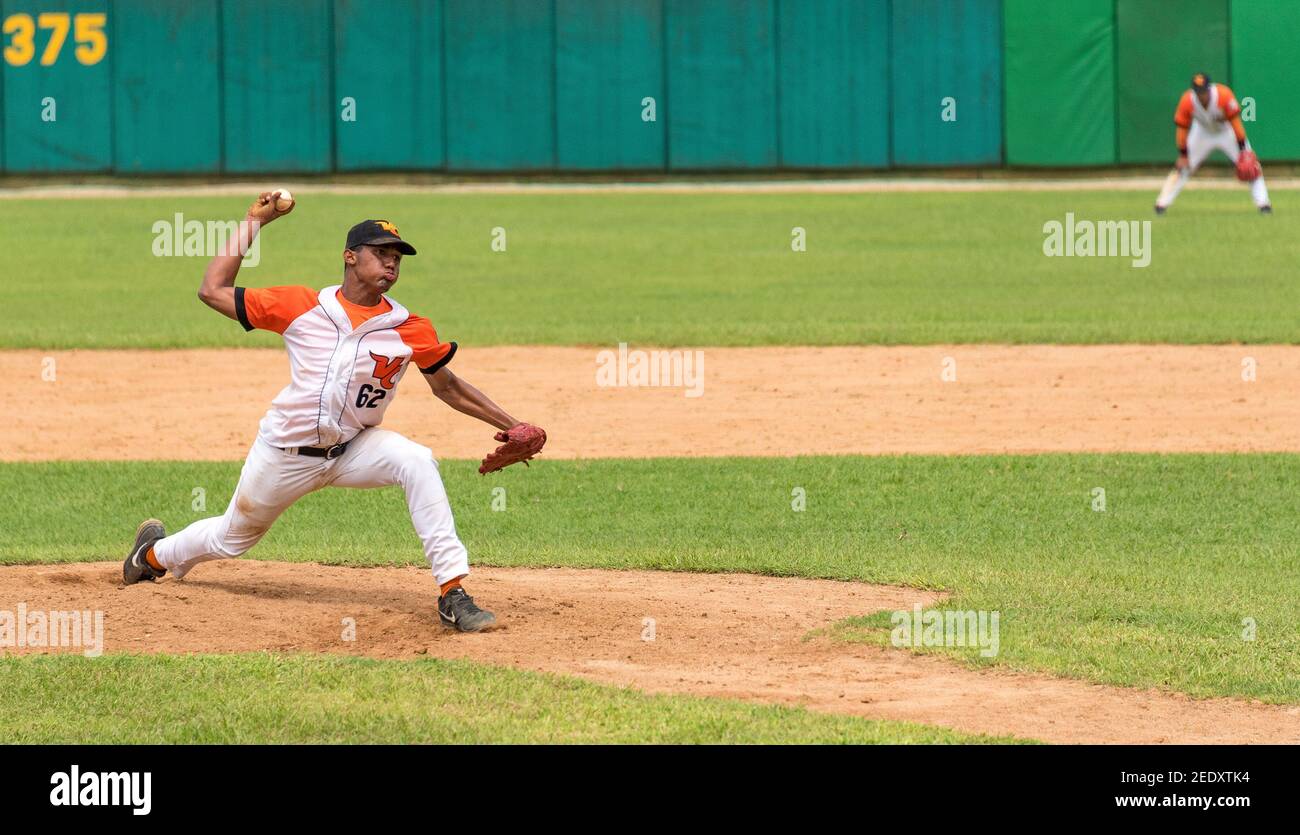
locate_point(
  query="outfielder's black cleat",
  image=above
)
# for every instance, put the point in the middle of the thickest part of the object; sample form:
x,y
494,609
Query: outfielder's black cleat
x,y
136,568
1160,209
456,609
1266,209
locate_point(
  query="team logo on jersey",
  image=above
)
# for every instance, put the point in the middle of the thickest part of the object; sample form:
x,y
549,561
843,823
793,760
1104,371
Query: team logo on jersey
x,y
386,369
387,227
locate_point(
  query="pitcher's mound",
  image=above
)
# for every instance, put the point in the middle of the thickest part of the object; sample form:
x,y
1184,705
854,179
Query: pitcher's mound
x,y
733,635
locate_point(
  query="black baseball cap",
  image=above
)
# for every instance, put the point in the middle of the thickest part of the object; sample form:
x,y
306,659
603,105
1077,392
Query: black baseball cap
x,y
1200,81
377,233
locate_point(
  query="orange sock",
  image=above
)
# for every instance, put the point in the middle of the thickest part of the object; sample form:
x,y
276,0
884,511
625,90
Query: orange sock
x,y
449,585
152,560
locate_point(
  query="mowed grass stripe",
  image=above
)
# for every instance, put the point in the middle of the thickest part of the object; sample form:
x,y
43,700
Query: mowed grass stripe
x,y
264,698
691,269
1157,589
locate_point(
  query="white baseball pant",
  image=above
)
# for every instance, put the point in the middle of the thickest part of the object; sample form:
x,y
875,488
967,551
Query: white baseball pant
x,y
1200,144
273,479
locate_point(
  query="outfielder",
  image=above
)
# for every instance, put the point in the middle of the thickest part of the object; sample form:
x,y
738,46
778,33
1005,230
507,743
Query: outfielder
x,y
1208,117
349,345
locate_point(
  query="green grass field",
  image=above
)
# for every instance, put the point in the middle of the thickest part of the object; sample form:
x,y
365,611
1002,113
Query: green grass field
x,y
706,269
1155,591
263,699
1150,592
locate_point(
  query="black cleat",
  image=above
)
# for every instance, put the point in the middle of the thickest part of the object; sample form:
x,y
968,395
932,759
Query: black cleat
x,y
136,568
1160,209
1266,210
456,609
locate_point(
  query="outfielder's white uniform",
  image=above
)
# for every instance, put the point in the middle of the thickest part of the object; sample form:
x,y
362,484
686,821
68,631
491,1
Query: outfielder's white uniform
x,y
345,362
1209,127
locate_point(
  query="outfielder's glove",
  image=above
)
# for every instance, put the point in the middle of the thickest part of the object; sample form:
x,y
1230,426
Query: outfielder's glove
x,y
520,443
1248,168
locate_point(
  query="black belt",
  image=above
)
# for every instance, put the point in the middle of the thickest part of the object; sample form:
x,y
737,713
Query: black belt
x,y
327,452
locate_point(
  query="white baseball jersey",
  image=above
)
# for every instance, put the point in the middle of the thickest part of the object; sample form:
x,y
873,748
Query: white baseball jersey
x,y
345,360
1213,117
1209,128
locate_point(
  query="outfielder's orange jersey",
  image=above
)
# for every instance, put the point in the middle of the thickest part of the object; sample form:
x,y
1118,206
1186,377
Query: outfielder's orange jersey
x,y
1222,109
345,360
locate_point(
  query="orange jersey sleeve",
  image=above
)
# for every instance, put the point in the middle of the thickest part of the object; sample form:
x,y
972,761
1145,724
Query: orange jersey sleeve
x,y
427,352
1238,129
1183,115
273,308
1228,103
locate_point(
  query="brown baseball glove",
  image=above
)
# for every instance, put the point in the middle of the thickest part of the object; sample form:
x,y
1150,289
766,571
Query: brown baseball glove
x,y
1248,168
519,443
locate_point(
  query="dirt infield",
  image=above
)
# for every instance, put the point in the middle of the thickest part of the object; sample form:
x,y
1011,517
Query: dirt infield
x,y
205,404
718,635
737,636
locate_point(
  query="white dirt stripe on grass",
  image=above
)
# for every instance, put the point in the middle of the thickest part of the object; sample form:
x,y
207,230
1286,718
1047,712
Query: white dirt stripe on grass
x,y
835,186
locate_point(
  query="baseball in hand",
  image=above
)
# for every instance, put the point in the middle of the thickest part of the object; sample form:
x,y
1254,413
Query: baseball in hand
x,y
283,200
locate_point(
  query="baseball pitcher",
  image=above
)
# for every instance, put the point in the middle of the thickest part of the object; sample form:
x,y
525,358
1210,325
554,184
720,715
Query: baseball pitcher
x,y
349,346
1208,117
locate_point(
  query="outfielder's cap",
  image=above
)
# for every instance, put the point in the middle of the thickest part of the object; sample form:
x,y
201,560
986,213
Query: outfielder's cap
x,y
377,233
1200,81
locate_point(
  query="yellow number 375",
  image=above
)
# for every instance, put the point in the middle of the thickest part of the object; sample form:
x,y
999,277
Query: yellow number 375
x,y
88,32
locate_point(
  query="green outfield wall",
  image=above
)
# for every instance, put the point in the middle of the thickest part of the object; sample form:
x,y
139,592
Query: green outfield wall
x,y
1263,46
946,55
1156,52
1060,82
216,87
